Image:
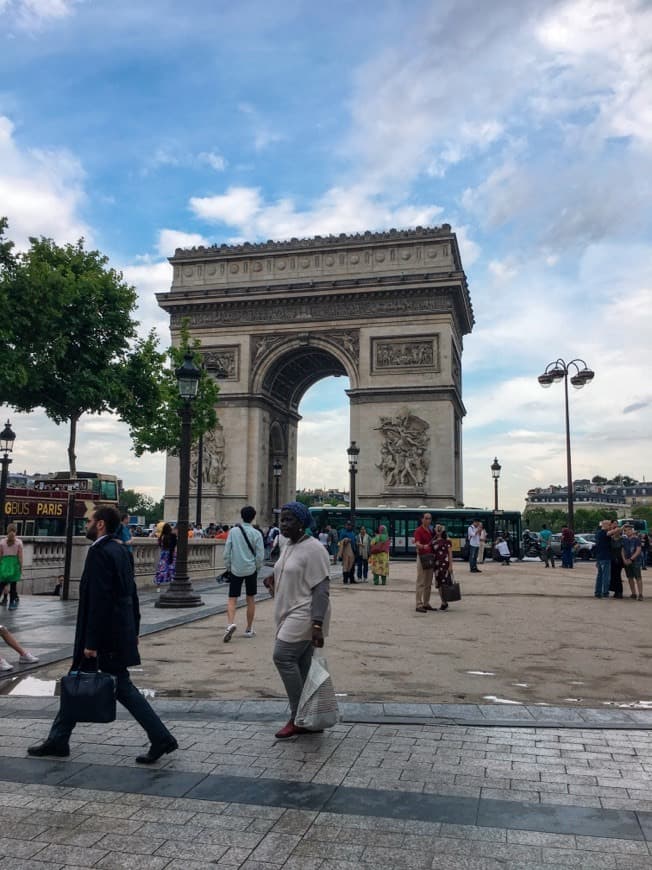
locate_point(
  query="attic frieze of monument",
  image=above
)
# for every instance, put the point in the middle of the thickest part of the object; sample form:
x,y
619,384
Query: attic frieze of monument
x,y
413,302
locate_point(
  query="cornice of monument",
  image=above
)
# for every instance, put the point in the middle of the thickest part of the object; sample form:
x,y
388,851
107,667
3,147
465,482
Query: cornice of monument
x,y
315,242
311,308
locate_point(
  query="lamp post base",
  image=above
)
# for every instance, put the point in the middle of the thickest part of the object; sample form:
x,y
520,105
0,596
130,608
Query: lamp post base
x,y
180,594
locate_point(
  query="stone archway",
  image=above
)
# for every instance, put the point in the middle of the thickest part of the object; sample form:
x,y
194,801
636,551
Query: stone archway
x,y
388,310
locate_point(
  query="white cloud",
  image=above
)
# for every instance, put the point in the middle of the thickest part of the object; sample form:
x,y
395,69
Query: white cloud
x,y
213,159
41,191
263,133
150,277
34,14
339,210
175,155
170,240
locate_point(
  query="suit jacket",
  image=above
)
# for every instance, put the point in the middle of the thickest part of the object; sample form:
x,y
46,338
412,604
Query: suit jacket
x,y
108,616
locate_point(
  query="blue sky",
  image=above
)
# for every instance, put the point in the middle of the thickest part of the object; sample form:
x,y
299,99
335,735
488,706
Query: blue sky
x,y
528,126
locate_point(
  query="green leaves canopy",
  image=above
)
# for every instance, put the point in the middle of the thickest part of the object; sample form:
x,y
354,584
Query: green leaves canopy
x,y
156,425
70,346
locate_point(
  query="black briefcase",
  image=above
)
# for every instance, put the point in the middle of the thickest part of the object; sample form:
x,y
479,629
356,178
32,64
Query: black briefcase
x,y
88,696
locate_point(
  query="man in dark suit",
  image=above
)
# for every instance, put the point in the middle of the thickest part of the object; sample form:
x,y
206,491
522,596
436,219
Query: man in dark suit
x,y
108,620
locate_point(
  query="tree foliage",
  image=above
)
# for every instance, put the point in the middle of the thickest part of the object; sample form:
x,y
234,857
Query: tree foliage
x,y
138,503
71,335
586,519
155,425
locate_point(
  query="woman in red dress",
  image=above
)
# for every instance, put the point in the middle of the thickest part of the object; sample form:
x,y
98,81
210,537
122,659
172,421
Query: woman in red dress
x,y
442,550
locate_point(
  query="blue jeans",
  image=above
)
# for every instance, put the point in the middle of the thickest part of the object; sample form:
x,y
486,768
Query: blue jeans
x,y
567,557
132,700
362,567
473,558
603,578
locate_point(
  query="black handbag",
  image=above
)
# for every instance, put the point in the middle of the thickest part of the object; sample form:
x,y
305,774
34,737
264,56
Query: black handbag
x,y
427,560
451,591
88,696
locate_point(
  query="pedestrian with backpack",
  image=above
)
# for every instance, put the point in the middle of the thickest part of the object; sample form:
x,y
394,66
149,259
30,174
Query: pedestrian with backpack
x,y
244,554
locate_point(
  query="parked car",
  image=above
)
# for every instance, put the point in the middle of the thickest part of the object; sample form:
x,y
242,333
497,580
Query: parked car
x,y
583,549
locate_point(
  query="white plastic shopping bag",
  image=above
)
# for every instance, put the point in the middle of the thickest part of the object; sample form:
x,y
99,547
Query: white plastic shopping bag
x,y
317,705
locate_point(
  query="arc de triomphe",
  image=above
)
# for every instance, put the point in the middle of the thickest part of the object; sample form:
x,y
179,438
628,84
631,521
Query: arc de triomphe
x,y
388,310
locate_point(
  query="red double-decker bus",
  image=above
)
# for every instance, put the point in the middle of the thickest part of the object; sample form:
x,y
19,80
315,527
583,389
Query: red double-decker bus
x,y
42,508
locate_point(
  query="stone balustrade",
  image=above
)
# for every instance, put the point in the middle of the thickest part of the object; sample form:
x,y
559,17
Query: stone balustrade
x,y
43,561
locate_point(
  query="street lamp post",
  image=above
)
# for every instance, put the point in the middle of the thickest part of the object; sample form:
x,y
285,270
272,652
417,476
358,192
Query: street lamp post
x,y
554,372
495,473
278,470
180,592
353,452
7,438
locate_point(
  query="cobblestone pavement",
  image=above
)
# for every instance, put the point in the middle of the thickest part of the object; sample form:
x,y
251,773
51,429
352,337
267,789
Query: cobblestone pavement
x,y
361,795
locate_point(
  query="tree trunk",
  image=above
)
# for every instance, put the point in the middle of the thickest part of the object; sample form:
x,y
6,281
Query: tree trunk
x,y
71,446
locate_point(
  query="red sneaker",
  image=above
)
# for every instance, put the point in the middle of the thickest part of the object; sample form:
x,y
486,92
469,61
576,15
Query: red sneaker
x,y
290,730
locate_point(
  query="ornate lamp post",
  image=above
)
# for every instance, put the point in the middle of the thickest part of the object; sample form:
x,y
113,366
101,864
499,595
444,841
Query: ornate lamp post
x,y
278,471
495,473
353,452
7,438
180,592
557,371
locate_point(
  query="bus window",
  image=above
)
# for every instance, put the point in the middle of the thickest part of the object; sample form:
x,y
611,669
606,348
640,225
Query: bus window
x,y
109,490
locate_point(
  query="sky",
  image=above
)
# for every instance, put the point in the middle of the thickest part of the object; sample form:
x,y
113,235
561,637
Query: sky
x,y
525,124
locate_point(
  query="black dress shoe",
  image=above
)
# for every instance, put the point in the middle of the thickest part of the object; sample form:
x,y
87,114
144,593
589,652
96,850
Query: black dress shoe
x,y
49,747
155,752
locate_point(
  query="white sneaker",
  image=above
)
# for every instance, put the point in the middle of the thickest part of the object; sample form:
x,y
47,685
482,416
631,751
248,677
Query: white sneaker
x,y
249,632
28,659
230,631
4,665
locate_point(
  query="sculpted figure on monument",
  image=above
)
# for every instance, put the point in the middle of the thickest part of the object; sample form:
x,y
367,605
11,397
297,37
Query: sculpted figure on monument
x,y
221,362
213,465
404,452
402,354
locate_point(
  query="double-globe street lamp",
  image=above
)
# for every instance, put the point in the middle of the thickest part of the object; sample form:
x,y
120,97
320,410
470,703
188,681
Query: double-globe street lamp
x,y
7,438
353,452
180,592
557,371
495,473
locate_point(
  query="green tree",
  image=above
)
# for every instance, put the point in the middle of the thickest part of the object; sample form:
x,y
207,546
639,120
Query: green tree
x,y
643,512
598,481
7,258
155,423
72,336
138,503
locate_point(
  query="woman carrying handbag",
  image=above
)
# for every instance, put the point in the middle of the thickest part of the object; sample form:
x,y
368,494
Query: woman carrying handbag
x,y
442,550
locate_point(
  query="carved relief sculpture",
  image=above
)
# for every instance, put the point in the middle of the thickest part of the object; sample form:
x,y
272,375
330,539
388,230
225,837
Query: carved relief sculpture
x,y
404,452
406,353
348,340
222,362
213,464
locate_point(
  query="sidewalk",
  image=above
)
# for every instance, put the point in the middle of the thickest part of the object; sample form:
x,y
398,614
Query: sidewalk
x,y
46,624
456,786
409,796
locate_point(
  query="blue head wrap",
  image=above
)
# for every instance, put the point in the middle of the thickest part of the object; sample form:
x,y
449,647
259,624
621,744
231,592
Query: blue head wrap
x,y
300,511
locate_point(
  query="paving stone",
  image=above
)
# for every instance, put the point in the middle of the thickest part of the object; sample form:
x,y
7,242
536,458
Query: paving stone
x,y
183,850
28,864
74,855
127,861
276,847
584,860
13,848
67,837
136,843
